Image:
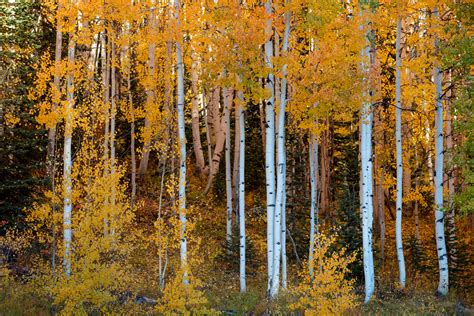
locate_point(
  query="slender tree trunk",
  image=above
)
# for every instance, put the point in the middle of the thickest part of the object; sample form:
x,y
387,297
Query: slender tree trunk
x,y
217,154
52,132
235,171
270,147
218,125
450,181
314,166
398,136
228,173
429,162
241,195
210,166
68,130
214,119
161,268
261,112
284,268
182,151
279,229
198,152
132,138
417,216
324,202
113,80
106,92
366,179
439,210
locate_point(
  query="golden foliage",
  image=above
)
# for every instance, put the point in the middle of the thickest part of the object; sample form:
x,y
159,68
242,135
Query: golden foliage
x,y
329,292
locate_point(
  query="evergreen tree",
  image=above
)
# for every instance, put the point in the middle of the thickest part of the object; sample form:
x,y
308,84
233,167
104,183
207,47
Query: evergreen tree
x,y
25,35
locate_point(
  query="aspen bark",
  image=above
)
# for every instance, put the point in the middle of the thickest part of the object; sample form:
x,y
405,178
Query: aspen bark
x,y
182,151
443,284
270,146
279,229
325,172
68,130
235,170
197,146
56,100
218,125
366,181
314,166
241,195
450,179
228,174
398,136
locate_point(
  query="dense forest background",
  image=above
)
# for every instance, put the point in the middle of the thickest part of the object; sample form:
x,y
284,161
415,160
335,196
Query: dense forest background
x,y
125,127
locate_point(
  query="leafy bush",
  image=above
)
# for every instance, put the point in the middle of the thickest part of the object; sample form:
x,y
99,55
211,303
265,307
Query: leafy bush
x,y
328,291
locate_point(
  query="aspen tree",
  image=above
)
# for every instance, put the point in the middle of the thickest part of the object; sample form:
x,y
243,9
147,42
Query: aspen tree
x,y
68,130
235,168
51,151
219,125
132,130
443,284
366,178
270,146
450,175
198,152
398,136
182,146
313,164
279,229
241,195
228,175
56,97
113,111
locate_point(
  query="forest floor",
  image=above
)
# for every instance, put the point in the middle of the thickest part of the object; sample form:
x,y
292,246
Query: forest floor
x,y
403,303
223,300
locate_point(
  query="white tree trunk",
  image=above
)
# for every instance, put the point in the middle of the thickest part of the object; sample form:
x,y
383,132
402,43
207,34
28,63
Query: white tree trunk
x,y
270,146
284,273
281,172
314,166
366,178
182,152
366,199
241,195
398,136
235,170
443,284
228,173
68,129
